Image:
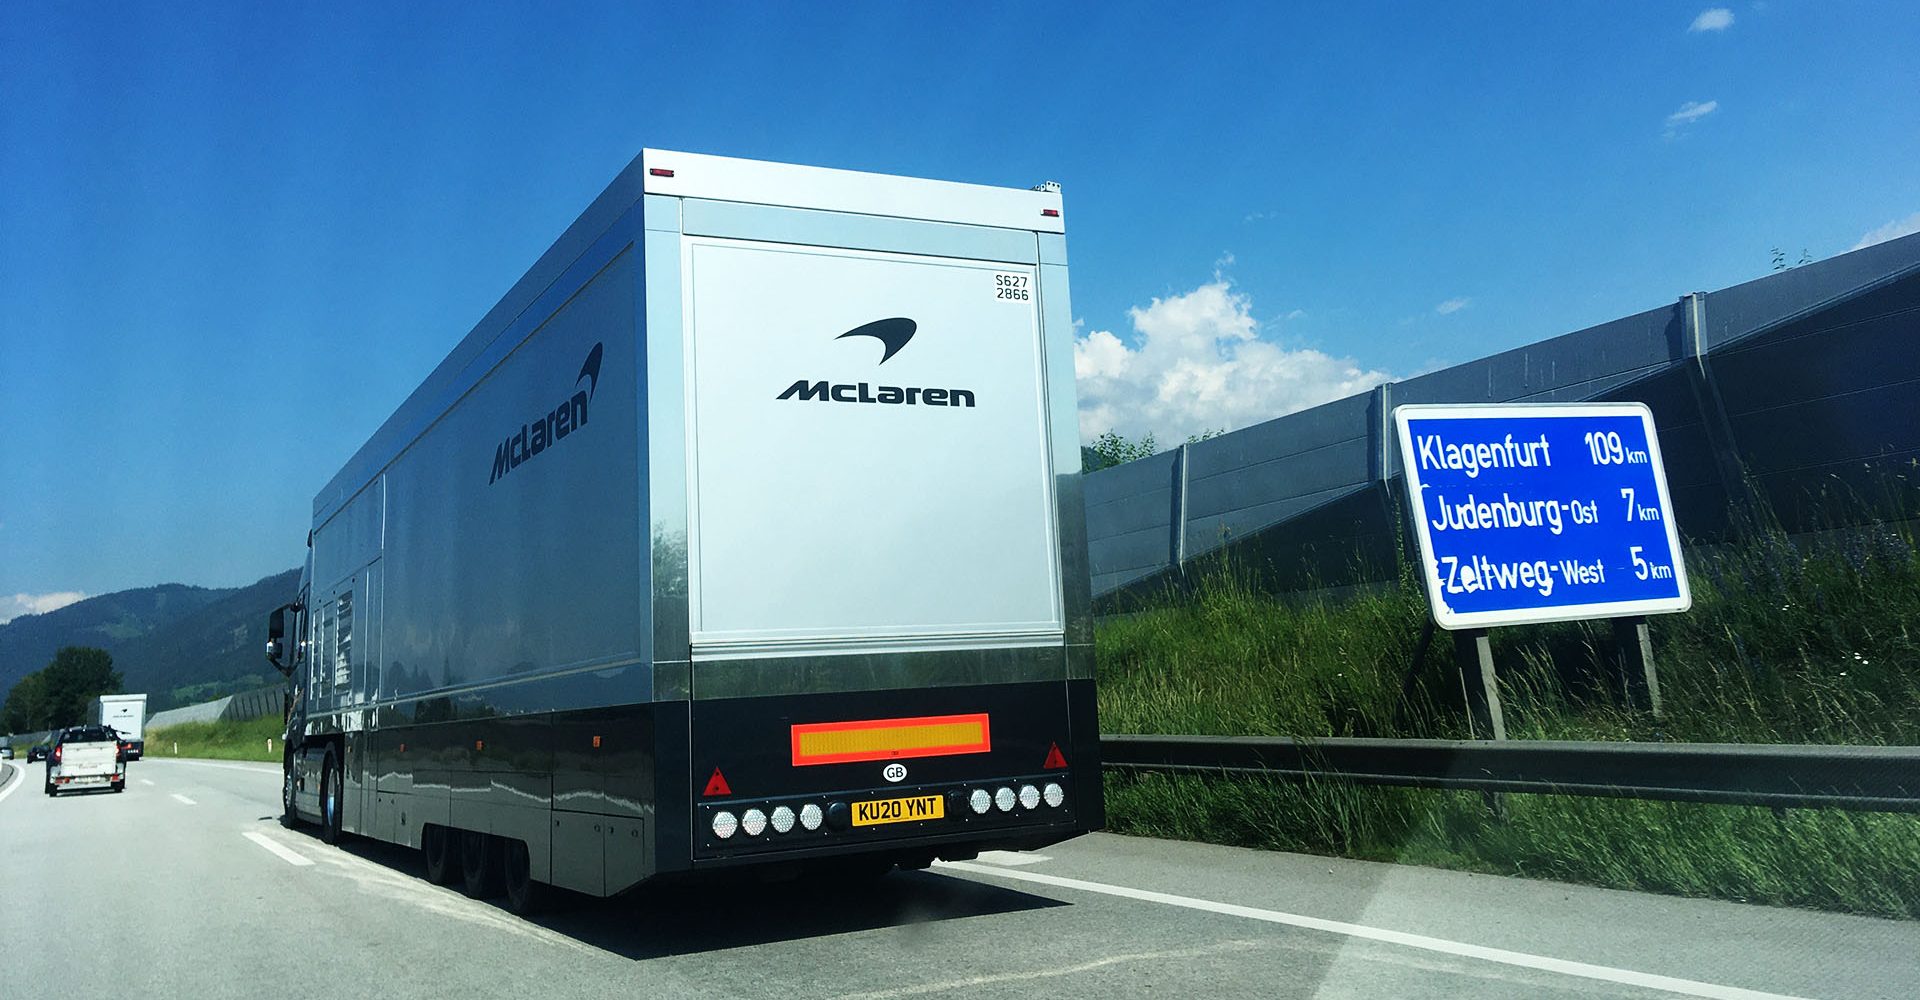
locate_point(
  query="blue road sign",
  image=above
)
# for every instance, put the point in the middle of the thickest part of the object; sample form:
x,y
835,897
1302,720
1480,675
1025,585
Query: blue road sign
x,y
1529,513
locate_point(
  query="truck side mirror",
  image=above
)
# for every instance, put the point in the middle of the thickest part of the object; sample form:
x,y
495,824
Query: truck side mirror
x,y
276,645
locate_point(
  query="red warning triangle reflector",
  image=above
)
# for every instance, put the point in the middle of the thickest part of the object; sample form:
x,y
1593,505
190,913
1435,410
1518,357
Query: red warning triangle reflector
x,y
717,785
1054,758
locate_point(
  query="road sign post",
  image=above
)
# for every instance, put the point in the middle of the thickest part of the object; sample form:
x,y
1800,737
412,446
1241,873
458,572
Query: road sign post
x,y
1638,680
1478,684
1529,513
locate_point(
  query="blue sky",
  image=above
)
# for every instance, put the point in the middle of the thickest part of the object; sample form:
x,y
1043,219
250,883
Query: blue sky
x,y
232,238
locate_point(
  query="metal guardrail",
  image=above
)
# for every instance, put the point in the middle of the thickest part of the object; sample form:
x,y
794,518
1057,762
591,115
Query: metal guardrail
x,y
1872,779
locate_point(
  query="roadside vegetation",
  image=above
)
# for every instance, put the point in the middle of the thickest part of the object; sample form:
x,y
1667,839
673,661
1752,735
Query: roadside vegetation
x,y
219,740
62,692
1790,640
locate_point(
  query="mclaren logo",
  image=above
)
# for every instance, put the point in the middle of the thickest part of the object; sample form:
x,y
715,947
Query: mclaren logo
x,y
893,334
548,429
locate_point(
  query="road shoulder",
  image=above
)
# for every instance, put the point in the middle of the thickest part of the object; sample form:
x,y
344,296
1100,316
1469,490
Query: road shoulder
x,y
1756,946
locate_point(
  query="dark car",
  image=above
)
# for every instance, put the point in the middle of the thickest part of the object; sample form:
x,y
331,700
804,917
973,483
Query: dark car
x,y
39,752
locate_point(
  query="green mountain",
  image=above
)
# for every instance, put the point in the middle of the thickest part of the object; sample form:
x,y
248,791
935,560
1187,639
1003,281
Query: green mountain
x,y
108,622
179,644
214,650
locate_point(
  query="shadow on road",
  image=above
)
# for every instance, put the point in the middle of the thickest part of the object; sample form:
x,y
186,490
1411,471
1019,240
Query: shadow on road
x,y
690,919
696,917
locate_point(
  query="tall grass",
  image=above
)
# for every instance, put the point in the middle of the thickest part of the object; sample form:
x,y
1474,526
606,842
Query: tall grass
x,y
221,740
1790,640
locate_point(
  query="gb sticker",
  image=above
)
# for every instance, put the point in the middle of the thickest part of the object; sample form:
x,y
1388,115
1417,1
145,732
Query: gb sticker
x,y
895,772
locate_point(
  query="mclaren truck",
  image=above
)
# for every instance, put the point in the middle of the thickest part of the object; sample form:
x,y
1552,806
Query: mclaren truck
x,y
744,532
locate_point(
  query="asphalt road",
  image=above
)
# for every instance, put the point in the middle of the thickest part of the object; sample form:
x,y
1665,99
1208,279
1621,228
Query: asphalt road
x,y
186,885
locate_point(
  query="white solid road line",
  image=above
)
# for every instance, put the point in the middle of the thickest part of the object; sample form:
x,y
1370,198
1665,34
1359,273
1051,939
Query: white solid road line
x,y
183,800
287,854
1011,859
972,983
1602,973
13,784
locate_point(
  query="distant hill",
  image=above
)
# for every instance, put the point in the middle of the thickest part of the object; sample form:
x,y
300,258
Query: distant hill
x,y
177,643
109,621
215,650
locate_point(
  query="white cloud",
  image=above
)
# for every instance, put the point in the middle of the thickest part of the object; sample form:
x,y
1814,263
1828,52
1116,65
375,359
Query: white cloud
x,y
1891,231
1452,306
1200,364
1690,112
1713,19
14,606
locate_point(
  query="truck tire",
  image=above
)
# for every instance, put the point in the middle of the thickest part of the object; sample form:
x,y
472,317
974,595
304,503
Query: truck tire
x,y
50,791
288,817
442,849
480,864
330,799
525,896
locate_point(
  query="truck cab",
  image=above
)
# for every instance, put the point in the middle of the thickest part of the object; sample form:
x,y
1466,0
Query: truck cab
x,y
287,641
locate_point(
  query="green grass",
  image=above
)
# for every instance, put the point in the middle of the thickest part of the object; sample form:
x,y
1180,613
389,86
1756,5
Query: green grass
x,y
1789,641
219,740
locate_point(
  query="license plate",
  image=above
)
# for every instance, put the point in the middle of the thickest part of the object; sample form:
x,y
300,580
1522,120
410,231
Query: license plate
x,y
908,810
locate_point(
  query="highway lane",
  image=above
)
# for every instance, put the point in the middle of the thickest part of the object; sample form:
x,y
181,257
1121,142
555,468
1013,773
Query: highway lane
x,y
187,884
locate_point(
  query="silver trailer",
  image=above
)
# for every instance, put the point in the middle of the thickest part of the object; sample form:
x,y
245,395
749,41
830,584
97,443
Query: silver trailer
x,y
746,530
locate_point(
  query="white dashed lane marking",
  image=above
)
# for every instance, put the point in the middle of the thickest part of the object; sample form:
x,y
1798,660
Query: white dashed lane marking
x,y
183,800
284,853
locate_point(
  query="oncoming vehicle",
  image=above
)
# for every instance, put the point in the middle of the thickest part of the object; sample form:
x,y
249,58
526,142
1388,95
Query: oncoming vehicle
x,y
86,757
744,533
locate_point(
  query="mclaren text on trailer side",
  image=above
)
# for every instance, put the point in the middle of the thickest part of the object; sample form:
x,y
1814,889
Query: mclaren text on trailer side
x,y
746,530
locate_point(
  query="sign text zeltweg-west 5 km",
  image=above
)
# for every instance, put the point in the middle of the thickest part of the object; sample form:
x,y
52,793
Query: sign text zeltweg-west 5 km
x,y
1539,513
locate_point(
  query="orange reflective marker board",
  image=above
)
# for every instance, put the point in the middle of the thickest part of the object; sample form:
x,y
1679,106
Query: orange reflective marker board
x,y
890,739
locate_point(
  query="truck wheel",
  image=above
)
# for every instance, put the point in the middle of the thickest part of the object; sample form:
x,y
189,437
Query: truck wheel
x,y
50,792
524,895
287,814
119,786
480,864
442,849
330,798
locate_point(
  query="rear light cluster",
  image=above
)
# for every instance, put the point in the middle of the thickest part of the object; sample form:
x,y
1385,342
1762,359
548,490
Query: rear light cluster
x,y
1006,797
755,822
748,822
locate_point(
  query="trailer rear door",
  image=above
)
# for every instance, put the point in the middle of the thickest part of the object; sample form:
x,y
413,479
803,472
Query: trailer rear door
x,y
868,460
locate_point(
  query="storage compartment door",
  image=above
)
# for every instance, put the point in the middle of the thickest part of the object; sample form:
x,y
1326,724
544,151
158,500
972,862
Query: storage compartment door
x,y
869,464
